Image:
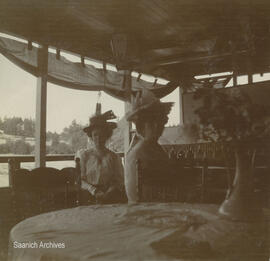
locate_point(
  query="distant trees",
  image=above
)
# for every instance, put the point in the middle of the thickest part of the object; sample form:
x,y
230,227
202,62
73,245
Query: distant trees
x,y
74,136
17,126
16,147
116,142
57,146
1,124
70,140
29,127
60,148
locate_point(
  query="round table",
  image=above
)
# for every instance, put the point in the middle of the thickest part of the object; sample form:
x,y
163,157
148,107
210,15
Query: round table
x,y
153,231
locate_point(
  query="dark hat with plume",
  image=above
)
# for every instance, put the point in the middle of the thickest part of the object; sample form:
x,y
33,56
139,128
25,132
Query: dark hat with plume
x,y
101,120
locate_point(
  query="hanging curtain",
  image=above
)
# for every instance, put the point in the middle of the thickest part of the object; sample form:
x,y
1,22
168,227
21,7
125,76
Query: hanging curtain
x,y
74,75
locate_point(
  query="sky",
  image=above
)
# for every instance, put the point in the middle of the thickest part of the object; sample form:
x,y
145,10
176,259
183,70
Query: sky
x,y
18,96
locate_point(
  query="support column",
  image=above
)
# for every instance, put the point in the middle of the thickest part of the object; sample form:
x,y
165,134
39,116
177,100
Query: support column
x,y
249,69
41,110
181,105
234,64
127,86
13,165
234,78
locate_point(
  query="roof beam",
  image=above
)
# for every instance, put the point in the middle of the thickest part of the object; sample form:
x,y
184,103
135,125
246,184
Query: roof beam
x,y
180,59
211,78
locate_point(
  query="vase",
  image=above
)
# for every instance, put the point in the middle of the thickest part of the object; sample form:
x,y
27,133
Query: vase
x,y
240,203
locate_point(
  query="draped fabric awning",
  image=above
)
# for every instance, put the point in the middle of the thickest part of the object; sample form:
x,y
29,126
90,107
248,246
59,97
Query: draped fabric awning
x,y
74,75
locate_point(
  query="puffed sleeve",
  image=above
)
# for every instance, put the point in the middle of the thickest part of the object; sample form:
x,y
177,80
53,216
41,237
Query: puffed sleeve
x,y
83,156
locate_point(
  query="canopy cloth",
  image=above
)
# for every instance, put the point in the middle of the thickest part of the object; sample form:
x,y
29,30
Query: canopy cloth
x,y
146,231
76,75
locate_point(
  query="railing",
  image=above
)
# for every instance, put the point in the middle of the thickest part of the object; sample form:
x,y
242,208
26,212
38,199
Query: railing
x,y
14,161
216,153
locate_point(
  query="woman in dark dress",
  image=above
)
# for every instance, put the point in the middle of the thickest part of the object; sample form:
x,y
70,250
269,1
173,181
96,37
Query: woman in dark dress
x,y
150,117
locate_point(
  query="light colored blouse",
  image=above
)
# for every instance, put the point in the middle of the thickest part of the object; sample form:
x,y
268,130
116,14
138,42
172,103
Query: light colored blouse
x,y
100,172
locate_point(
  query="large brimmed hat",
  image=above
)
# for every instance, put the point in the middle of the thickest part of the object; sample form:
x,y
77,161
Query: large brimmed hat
x,y
146,102
101,120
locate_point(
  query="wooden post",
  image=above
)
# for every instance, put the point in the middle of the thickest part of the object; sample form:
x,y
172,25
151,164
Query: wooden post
x,y
78,181
13,165
41,103
234,63
249,69
181,105
234,78
127,86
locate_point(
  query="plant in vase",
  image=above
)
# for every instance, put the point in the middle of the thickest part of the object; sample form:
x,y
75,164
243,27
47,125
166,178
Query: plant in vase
x,y
231,117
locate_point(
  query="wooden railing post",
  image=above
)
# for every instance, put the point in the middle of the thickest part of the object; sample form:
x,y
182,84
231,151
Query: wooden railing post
x,y
78,180
181,105
13,165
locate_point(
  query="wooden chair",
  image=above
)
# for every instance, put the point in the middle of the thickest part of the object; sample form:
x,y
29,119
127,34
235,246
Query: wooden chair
x,y
189,178
73,183
202,183
215,184
191,184
38,191
75,195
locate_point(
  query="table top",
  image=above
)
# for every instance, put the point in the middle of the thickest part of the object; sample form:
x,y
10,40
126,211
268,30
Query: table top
x,y
146,231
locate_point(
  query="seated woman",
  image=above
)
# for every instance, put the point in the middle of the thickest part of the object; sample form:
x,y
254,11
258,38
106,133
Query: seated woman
x,y
101,169
150,117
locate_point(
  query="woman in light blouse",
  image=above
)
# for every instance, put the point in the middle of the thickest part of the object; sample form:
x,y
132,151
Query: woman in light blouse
x,y
102,173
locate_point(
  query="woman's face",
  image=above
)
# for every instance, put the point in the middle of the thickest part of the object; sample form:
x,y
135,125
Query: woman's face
x,y
99,138
153,130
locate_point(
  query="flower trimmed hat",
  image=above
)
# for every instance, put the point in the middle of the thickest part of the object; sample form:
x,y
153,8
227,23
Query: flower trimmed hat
x,y
146,103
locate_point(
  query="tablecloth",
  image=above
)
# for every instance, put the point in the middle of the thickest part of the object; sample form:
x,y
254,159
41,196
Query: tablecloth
x,y
153,231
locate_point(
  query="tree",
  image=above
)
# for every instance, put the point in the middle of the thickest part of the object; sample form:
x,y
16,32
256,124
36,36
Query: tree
x,y
16,147
60,148
55,139
18,126
21,147
1,124
29,127
116,142
13,126
74,136
233,118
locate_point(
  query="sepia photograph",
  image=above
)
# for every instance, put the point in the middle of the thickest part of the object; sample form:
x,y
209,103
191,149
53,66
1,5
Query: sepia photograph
x,y
135,130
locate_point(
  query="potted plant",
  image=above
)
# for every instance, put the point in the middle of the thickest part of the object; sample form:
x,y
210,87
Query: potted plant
x,y
232,118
